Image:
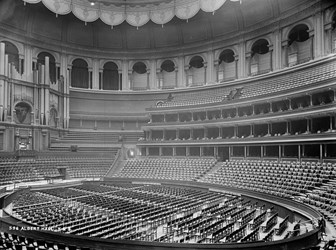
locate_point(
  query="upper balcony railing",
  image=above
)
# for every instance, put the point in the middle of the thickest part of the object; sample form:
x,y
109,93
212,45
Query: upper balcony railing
x,y
287,80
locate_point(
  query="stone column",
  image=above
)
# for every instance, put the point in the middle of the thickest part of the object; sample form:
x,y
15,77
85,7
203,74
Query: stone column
x,y
186,70
148,72
284,45
101,77
46,90
270,46
216,64
176,76
159,79
2,82
130,79
119,79
90,79
205,72
236,58
248,58
318,35
312,48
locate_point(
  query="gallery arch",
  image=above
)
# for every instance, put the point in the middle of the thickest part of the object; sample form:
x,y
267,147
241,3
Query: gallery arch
x,y
227,67
111,77
299,45
80,74
261,57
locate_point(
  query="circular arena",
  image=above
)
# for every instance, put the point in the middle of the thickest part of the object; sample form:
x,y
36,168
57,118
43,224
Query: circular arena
x,y
161,124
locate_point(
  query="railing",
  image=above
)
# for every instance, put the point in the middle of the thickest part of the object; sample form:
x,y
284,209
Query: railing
x,y
115,161
261,72
139,88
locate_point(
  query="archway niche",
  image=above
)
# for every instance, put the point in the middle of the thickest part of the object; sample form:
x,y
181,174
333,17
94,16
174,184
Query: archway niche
x,y
13,57
111,77
261,59
196,73
168,75
226,66
140,80
80,74
299,45
53,72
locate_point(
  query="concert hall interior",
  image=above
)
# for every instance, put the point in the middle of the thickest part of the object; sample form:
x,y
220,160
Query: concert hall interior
x,y
165,124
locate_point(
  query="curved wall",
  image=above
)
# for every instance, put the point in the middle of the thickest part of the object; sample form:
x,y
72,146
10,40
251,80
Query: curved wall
x,y
299,211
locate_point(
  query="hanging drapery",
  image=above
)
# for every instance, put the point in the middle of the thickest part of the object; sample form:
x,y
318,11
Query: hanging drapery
x,y
135,15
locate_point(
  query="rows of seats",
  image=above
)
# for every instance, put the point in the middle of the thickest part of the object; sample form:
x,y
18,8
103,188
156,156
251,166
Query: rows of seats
x,y
286,178
11,241
167,168
247,111
323,199
14,171
46,166
273,84
147,212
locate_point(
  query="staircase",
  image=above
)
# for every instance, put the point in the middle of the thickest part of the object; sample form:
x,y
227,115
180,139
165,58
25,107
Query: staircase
x,y
213,169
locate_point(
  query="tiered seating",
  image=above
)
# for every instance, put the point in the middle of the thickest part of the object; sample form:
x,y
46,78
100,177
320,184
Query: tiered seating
x,y
273,84
94,140
79,165
167,168
285,178
324,197
10,241
14,171
143,212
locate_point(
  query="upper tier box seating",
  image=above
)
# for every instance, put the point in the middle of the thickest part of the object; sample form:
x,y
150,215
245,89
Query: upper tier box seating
x,y
151,213
271,85
78,165
167,168
94,140
286,178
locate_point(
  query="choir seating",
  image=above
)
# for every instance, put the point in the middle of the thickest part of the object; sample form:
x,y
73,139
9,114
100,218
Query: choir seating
x,y
46,164
167,168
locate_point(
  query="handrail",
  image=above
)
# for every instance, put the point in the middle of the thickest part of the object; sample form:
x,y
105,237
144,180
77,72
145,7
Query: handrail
x,y
116,159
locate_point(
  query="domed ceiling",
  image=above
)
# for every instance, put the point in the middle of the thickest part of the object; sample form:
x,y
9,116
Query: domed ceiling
x,y
37,22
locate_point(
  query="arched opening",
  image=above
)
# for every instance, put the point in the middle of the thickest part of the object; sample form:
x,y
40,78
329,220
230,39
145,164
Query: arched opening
x,y
299,45
196,73
167,80
111,77
22,113
260,57
196,62
226,66
80,74
52,65
13,56
139,76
